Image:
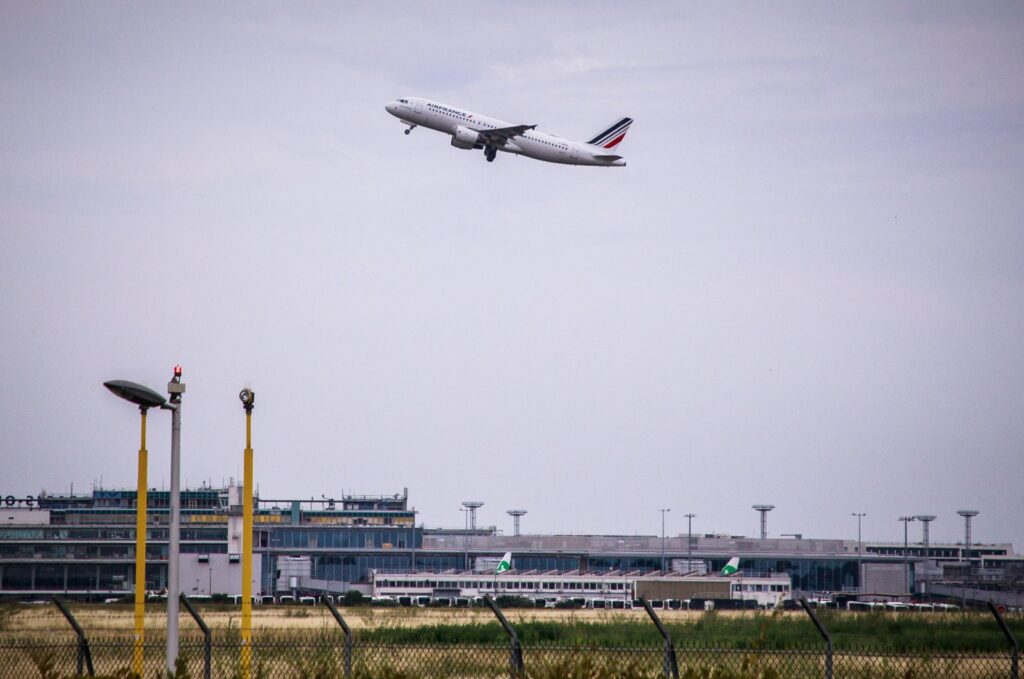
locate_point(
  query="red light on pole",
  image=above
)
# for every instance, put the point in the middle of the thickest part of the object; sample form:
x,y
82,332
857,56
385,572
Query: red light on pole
x,y
177,371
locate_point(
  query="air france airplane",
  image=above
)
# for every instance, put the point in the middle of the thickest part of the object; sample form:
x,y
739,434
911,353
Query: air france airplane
x,y
473,131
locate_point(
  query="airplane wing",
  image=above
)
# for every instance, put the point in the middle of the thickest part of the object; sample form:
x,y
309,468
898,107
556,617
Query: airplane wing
x,y
498,136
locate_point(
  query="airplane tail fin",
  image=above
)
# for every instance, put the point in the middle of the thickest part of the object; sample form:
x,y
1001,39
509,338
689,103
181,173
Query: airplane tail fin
x,y
505,564
732,567
613,136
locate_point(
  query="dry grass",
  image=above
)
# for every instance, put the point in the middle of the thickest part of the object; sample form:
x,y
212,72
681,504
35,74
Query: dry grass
x,y
114,618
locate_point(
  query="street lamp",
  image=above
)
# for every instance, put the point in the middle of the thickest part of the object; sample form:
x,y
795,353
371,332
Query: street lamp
x,y
860,565
906,569
175,388
145,398
248,398
663,537
689,541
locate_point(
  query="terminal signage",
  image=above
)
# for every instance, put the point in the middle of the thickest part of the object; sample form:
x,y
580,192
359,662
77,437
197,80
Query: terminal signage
x,y
11,501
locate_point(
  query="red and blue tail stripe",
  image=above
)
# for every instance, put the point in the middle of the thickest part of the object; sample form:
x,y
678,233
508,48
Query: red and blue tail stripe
x,y
613,136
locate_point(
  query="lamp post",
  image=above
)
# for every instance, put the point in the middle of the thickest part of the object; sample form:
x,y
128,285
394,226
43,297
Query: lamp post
x,y
663,537
689,541
175,388
465,537
248,398
860,565
906,568
145,398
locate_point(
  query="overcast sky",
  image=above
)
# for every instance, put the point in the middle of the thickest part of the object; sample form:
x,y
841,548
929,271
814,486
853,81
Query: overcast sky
x,y
806,288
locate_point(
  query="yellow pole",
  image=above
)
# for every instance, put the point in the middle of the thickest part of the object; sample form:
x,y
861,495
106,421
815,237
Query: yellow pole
x,y
140,553
247,549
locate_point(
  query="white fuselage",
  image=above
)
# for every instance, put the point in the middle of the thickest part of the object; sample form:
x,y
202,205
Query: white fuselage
x,y
416,111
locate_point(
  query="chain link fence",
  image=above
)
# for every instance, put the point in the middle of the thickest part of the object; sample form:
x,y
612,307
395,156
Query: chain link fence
x,y
340,653
290,658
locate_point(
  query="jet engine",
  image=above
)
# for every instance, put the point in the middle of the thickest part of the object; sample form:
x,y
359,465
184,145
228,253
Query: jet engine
x,y
465,138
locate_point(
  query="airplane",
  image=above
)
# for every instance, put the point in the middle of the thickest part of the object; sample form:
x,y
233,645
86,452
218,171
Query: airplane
x,y
505,564
473,131
732,567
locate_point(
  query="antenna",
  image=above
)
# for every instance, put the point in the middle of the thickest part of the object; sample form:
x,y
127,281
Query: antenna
x,y
472,506
764,509
515,514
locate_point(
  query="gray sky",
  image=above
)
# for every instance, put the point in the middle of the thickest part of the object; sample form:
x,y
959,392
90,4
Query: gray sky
x,y
807,287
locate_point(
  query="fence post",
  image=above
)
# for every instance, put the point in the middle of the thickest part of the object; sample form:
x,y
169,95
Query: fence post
x,y
824,635
516,657
1014,646
84,654
670,664
348,635
207,637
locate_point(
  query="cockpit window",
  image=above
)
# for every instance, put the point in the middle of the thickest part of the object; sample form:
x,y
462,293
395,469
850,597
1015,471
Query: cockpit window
x,y
403,101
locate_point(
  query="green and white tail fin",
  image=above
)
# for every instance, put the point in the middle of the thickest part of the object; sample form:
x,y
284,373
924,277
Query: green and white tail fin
x,y
732,567
505,564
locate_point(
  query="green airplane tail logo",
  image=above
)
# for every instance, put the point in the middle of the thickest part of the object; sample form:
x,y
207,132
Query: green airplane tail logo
x,y
505,564
732,566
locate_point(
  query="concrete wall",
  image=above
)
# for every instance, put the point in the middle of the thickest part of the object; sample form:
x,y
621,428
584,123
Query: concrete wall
x,y
884,579
217,575
679,589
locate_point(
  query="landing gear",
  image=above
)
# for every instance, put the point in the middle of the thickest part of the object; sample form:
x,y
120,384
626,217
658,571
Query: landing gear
x,y
411,128
490,153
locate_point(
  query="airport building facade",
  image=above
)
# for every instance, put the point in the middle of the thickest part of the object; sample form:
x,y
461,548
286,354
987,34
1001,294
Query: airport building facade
x,y
84,546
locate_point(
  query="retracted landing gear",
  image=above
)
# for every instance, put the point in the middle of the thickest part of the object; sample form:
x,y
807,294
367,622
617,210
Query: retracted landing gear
x,y
490,153
411,128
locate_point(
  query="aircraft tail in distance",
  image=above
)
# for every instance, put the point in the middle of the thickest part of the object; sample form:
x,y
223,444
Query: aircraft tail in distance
x,y
613,136
732,567
505,564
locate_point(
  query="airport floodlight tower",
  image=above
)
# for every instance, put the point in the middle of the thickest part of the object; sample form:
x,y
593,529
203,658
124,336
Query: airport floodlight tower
x,y
968,514
764,509
860,562
925,519
906,565
515,514
472,506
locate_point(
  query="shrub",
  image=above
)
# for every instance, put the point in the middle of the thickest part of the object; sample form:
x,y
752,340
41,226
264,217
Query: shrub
x,y
353,597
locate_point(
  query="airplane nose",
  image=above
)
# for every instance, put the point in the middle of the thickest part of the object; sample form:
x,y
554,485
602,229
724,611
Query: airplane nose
x,y
390,107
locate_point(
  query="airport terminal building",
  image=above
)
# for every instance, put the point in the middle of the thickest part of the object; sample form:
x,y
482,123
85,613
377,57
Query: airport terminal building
x,y
83,546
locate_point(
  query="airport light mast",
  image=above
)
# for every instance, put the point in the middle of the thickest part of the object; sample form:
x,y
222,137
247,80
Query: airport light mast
x,y
925,520
472,506
965,553
145,398
663,537
968,514
516,514
465,536
860,563
689,540
906,568
764,509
